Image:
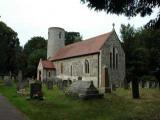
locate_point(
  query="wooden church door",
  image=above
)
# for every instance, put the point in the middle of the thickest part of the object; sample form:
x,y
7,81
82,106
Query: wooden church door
x,y
105,79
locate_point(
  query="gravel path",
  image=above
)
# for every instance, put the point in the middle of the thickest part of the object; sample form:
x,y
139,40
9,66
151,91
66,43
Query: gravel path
x,y
9,112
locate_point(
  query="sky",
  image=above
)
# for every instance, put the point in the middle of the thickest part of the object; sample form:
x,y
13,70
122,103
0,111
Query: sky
x,y
31,18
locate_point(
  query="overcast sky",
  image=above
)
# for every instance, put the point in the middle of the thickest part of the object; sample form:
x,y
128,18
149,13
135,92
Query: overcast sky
x,y
33,18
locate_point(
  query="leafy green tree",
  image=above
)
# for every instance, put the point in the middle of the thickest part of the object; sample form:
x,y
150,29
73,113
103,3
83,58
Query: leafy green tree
x,y
34,49
128,8
72,37
150,39
142,49
35,43
129,45
33,61
9,47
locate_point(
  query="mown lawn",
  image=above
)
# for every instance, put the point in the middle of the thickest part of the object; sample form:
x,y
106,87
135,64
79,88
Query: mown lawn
x,y
116,106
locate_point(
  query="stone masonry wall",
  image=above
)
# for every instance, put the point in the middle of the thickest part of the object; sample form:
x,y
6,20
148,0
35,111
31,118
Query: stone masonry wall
x,y
75,67
116,76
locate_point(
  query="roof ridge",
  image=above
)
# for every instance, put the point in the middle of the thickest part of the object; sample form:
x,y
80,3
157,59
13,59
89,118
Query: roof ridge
x,y
88,39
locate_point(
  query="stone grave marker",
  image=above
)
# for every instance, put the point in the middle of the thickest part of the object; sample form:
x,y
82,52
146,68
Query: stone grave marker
x,y
65,84
20,85
8,81
20,76
79,78
83,89
50,84
36,91
114,87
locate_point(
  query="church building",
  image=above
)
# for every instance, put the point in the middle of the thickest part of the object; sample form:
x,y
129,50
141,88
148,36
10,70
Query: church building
x,y
100,59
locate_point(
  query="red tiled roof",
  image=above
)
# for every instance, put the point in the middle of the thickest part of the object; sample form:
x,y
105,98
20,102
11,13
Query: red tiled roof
x,y
47,64
85,47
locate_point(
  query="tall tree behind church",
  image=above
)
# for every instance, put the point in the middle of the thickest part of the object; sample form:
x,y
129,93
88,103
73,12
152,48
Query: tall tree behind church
x,y
34,49
72,37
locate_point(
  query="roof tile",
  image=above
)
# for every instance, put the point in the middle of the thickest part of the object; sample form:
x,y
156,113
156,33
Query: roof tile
x,y
47,64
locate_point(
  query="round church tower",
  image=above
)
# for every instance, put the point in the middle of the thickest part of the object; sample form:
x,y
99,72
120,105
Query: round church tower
x,y
56,39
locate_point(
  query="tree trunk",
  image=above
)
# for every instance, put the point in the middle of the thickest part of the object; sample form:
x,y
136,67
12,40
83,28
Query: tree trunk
x,y
135,89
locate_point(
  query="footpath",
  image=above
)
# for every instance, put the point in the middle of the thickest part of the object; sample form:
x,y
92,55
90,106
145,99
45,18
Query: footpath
x,y
9,112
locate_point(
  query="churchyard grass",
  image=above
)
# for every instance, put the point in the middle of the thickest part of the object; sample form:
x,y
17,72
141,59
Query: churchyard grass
x,y
116,106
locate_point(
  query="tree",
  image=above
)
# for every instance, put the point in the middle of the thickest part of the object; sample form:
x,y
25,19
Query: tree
x,y
33,61
129,45
9,47
34,49
128,8
72,37
142,49
35,43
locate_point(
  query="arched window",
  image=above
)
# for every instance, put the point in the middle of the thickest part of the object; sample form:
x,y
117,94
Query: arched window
x,y
60,35
110,59
61,68
86,66
116,60
113,57
71,70
49,74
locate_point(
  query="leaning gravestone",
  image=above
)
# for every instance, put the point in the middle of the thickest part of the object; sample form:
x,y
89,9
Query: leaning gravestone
x,y
50,84
83,89
36,91
8,81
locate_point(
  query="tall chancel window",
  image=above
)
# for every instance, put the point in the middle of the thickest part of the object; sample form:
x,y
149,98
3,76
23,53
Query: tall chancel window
x,y
86,66
71,70
61,68
110,55
49,74
114,58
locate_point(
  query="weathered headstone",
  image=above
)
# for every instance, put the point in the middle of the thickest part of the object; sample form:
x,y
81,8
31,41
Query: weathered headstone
x,y
64,84
20,85
8,81
19,76
50,84
36,91
59,83
79,78
114,87
83,89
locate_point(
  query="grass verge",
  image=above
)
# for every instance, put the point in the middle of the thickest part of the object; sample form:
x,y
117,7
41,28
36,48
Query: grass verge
x,y
116,106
